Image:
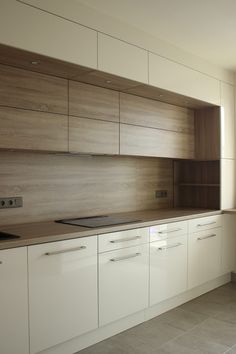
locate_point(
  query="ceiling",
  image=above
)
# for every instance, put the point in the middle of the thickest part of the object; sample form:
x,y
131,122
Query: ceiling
x,y
206,28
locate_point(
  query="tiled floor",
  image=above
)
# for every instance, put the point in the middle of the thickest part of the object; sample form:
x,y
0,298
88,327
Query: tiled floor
x,y
206,325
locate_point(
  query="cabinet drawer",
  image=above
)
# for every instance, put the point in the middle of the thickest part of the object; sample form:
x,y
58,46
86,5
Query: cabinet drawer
x,y
123,283
170,230
205,223
122,239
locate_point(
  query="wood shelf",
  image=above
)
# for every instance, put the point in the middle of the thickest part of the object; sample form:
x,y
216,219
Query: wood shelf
x,y
198,185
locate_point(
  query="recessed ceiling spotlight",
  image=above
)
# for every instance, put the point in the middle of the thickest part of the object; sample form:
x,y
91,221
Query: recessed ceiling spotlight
x,y
35,62
161,95
108,81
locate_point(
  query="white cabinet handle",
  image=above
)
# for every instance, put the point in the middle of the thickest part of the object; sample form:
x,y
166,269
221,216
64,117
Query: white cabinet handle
x,y
205,237
169,231
65,251
118,259
125,239
171,246
208,223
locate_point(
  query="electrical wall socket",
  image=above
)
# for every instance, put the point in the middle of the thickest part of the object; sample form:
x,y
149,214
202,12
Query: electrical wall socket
x,y
161,194
11,202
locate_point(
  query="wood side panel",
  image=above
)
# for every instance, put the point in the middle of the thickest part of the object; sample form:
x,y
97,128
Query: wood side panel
x,y
207,133
23,129
141,141
93,102
93,136
29,90
154,114
57,186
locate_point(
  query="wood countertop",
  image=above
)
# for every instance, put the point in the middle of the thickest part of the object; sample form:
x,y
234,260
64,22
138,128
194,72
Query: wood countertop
x,y
50,231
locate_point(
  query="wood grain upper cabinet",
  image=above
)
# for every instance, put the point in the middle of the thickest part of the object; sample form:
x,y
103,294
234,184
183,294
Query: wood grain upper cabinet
x,y
166,74
43,33
227,121
93,119
122,59
142,141
33,110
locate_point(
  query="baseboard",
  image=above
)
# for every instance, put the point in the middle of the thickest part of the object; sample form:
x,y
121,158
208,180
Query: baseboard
x,y
88,339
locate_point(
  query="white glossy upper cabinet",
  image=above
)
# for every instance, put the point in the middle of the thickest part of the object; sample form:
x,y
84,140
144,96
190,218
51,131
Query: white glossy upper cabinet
x,y
227,121
166,74
62,291
122,59
228,190
25,27
13,302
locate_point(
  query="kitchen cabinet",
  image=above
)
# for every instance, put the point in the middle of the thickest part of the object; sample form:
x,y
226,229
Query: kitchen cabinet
x,y
142,141
171,76
228,261
205,223
204,256
170,230
122,59
62,291
14,302
123,282
168,268
49,35
228,191
227,121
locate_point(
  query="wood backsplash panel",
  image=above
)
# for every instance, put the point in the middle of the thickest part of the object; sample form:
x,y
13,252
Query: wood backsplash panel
x,y
57,186
30,90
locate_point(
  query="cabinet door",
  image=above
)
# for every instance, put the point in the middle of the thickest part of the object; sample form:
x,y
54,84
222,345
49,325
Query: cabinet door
x,y
227,186
178,78
168,268
228,243
123,283
227,121
43,33
62,291
122,59
14,302
204,256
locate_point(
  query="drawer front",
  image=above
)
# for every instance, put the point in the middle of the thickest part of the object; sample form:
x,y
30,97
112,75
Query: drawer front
x,y
123,239
205,223
123,282
170,230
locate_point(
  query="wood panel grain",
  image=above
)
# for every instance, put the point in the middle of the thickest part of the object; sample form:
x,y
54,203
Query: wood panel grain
x,y
207,133
141,141
93,136
55,187
23,129
29,90
93,102
154,114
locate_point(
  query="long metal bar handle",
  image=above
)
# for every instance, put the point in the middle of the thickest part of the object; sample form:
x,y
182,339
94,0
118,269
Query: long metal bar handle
x,y
208,223
65,251
171,246
118,259
125,239
205,237
169,231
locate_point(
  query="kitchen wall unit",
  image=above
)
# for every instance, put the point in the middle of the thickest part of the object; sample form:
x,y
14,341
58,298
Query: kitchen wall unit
x,y
62,291
14,335
171,76
122,59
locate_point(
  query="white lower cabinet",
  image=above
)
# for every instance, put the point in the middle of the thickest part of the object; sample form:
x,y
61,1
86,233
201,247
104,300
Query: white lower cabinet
x,y
13,302
228,261
62,291
204,256
168,268
123,282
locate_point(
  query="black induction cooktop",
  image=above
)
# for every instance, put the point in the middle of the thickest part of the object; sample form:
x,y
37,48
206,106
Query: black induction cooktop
x,y
98,221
